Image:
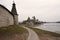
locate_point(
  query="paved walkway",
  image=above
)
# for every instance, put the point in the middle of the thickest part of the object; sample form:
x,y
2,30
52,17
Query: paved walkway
x,y
32,34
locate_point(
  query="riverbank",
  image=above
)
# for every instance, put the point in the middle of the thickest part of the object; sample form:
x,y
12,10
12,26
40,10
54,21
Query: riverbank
x,y
46,35
14,32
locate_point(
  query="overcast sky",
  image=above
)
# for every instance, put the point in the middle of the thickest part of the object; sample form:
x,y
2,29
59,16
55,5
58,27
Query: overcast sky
x,y
44,10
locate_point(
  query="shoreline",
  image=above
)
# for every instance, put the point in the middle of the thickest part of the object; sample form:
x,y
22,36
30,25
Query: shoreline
x,y
46,35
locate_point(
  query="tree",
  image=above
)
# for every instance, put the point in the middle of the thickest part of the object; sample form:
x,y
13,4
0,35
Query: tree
x,y
28,19
34,18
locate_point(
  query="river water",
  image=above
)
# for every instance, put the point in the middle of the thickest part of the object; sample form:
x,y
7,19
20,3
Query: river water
x,y
53,27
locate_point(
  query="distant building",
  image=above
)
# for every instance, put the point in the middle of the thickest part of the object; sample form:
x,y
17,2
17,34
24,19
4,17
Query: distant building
x,y
8,18
31,22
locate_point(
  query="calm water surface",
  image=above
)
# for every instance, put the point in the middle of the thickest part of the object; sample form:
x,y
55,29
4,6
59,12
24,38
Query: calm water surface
x,y
53,27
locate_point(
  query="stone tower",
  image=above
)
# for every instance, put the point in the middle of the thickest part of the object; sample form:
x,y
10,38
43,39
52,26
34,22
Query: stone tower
x,y
14,11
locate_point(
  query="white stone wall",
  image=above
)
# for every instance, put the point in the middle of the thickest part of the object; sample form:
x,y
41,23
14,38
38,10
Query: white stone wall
x,y
5,18
16,19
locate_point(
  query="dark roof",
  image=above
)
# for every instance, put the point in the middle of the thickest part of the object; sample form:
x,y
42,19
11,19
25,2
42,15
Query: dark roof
x,y
6,9
14,11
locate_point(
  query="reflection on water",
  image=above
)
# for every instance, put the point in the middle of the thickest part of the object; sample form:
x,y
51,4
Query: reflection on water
x,y
53,27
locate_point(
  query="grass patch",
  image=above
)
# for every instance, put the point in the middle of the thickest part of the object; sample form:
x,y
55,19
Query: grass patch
x,y
40,32
12,29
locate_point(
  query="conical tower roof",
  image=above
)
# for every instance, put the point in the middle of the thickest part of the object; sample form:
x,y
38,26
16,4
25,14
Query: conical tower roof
x,y
14,11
